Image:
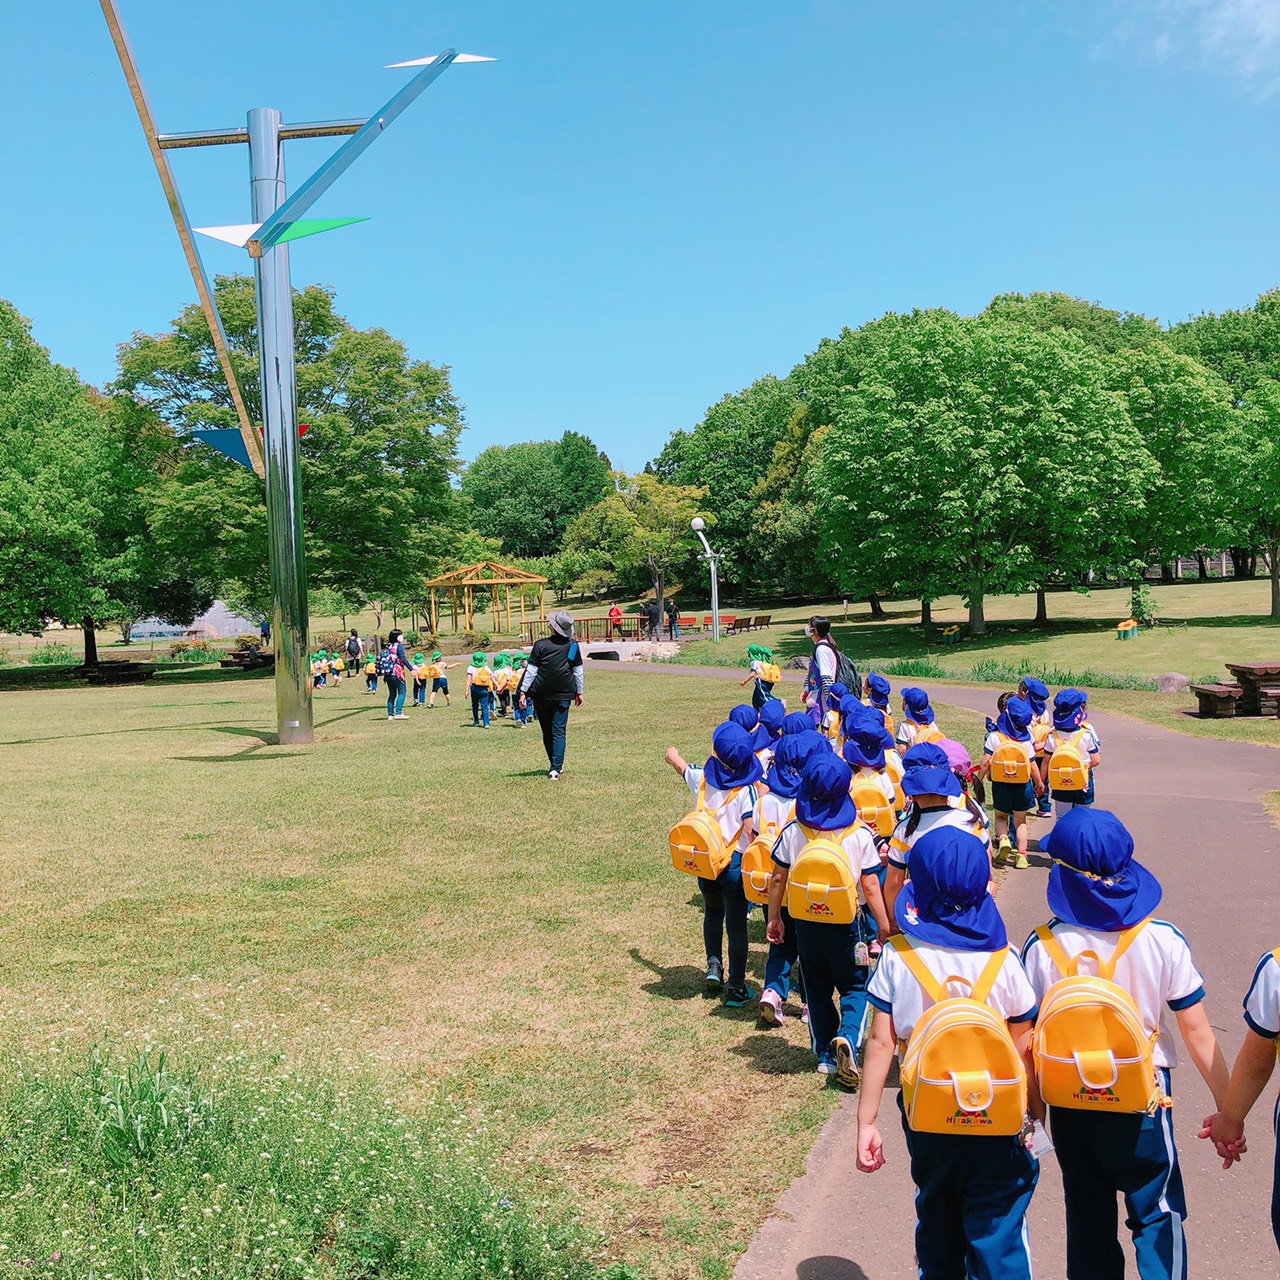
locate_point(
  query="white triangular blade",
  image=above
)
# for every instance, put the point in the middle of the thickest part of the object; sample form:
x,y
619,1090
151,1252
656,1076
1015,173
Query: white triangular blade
x,y
237,235
426,62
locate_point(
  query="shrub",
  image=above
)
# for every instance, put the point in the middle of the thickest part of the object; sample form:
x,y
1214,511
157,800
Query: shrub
x,y
52,654
247,644
918,668
147,1170
191,651
1142,608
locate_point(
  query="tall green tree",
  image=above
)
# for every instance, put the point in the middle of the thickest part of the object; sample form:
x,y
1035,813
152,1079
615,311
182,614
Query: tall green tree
x,y
1098,326
1253,499
377,460
984,431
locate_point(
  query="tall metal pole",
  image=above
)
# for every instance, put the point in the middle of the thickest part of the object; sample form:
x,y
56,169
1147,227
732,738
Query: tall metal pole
x,y
280,422
715,598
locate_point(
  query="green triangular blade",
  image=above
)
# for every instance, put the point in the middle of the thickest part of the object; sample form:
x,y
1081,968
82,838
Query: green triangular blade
x,y
314,226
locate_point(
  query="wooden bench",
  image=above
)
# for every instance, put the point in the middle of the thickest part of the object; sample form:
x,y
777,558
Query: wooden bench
x,y
761,620
735,626
118,673
688,622
1270,699
1217,701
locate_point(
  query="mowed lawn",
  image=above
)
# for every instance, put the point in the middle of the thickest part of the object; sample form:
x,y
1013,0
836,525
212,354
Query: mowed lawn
x,y
418,898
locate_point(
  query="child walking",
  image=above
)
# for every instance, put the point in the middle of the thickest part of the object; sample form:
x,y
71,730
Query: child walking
x,y
419,679
1072,752
1036,694
480,687
1103,901
834,958
972,1189
439,680
371,675
919,724
502,682
1015,781
725,787
876,690
763,671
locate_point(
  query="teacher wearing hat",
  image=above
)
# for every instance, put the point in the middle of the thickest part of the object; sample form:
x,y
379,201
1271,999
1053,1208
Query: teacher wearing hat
x,y
552,680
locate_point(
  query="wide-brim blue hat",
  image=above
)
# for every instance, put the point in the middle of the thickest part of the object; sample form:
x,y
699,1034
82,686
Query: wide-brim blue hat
x,y
931,780
793,752
797,722
924,755
747,718
1037,694
734,762
947,902
1068,709
916,702
878,689
1095,881
1014,720
823,802
772,715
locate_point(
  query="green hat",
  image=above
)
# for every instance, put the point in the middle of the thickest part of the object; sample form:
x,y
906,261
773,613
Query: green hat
x,y
419,658
759,653
324,653
479,658
502,660
435,655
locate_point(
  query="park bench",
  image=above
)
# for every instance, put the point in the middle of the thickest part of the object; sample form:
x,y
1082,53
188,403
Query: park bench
x,y
736,626
118,673
1217,701
1270,699
761,620
688,622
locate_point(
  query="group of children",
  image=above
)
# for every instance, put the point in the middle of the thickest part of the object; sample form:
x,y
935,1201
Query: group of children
x,y
494,689
868,846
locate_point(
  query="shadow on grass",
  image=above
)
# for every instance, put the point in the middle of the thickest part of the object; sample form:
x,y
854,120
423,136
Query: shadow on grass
x,y
678,982
771,1055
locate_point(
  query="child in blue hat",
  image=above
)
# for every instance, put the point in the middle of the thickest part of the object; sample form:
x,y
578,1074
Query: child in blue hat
x,y
972,1191
1101,896
932,787
1036,694
1012,801
776,808
833,957
1254,1065
730,774
1070,725
875,693
919,724
797,722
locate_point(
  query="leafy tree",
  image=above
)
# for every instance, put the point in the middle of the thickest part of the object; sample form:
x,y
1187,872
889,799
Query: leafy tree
x,y
525,495
985,431
377,460
1106,330
1255,490
726,454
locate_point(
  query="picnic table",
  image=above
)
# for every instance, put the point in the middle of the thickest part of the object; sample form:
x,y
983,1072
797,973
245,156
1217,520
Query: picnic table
x,y
1259,687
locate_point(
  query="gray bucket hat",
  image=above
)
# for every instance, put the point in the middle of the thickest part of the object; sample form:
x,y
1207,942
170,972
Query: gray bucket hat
x,y
561,622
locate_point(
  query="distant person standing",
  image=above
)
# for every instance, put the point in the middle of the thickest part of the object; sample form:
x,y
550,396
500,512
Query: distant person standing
x,y
615,620
673,619
353,650
393,663
552,680
655,618
264,630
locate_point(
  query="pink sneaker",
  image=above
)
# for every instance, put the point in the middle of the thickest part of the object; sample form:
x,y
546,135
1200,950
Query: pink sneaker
x,y
771,1008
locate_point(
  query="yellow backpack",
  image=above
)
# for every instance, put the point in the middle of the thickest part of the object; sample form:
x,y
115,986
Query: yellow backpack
x,y
874,807
483,678
1092,1050
757,864
927,733
1011,760
888,715
770,672
698,846
1040,729
821,885
433,671
1069,765
961,1072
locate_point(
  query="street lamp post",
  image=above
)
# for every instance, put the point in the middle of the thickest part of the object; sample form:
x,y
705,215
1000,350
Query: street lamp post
x,y
713,558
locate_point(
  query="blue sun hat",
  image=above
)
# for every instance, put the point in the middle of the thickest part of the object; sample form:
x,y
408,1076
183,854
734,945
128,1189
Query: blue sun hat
x,y
772,716
837,691
947,902
823,802
927,772
1095,882
1068,709
850,707
878,691
1015,719
793,752
747,718
916,702
797,722
1037,694
864,739
733,762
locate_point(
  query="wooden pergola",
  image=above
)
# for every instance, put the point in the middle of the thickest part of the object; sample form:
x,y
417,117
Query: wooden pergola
x,y
485,576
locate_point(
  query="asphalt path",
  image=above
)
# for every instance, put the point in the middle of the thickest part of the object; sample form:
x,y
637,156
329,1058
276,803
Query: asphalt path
x,y
1195,808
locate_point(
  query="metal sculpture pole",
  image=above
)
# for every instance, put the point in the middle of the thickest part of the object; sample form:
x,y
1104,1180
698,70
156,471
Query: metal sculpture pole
x,y
277,220
280,428
713,560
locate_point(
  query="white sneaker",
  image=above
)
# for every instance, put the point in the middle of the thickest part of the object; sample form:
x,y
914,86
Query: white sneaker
x,y
401,716
771,1008
554,775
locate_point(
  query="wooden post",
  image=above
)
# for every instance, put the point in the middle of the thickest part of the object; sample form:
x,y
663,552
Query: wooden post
x,y
522,615
508,608
542,604
453,607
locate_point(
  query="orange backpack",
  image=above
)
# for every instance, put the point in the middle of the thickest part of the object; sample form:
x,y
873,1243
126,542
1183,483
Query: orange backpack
x,y
698,846
1011,761
874,807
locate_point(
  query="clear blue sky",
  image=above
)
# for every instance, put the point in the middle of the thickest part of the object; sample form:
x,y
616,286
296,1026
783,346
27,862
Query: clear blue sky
x,y
642,207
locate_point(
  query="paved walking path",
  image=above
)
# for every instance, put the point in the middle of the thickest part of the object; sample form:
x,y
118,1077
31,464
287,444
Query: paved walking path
x,y
1195,807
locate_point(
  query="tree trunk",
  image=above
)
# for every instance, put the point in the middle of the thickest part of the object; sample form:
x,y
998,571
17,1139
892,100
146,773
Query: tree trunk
x,y
90,642
926,613
1243,561
1273,554
877,609
1202,567
659,594
1042,606
977,616
126,631
377,614
1166,571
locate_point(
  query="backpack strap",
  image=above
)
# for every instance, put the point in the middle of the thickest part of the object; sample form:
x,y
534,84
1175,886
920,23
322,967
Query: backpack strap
x,y
1106,969
919,970
1057,953
1069,966
981,989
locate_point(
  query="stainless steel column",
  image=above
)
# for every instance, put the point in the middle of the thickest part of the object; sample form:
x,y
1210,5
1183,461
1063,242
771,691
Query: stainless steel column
x,y
280,418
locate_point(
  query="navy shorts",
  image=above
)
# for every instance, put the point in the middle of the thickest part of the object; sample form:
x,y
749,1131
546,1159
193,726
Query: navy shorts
x,y
440,684
1013,797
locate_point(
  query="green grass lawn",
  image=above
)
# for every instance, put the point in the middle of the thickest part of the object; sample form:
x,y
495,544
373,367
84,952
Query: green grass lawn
x,y
418,900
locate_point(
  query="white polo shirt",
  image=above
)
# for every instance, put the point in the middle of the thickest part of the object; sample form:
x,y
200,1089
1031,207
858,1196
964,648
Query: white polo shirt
x,y
1262,1004
858,844
773,812
881,779
901,843
895,990
1157,971
730,808
1088,742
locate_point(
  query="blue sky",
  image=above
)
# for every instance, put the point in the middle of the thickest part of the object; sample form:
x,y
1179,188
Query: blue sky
x,y
643,207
